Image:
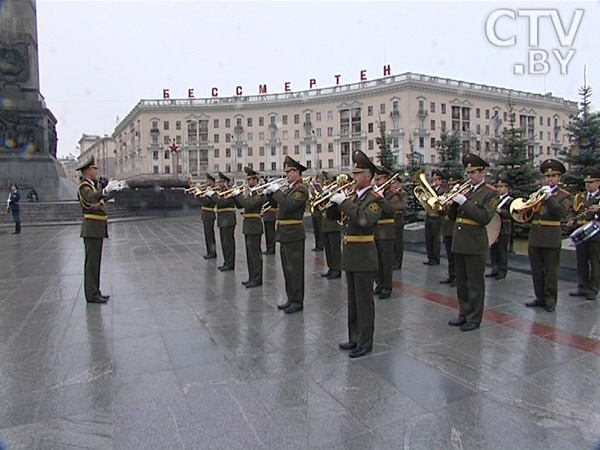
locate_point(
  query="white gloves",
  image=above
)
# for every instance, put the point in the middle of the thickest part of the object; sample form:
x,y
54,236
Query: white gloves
x,y
113,185
455,187
210,193
547,190
459,198
272,188
338,198
236,192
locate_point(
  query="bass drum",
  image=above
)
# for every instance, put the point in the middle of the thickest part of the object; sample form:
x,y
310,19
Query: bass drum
x,y
584,232
493,229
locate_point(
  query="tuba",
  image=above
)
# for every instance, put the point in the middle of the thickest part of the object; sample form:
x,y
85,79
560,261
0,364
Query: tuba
x,y
522,210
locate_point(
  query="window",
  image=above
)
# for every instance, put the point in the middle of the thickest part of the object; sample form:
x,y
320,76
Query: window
x,y
370,127
250,151
249,136
272,121
308,149
330,147
548,122
178,139
251,165
261,151
487,114
318,116
296,149
167,169
273,165
154,169
307,120
179,169
309,164
261,135
166,139
432,125
329,131
478,129
443,108
505,116
319,148
432,159
167,152
216,152
382,108
319,132
273,151
369,111
166,125
296,134
249,121
228,137
227,123
284,135
422,142
227,167
178,125
284,119
432,107
541,135
262,166
477,113
216,123
330,163
541,121
261,121
443,125
285,149
216,167
155,125
329,115
239,152
432,142
155,155
228,152
370,145
296,118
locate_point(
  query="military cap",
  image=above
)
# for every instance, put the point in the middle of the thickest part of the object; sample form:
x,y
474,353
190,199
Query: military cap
x,y
380,170
210,177
289,163
473,162
591,173
503,178
552,167
453,177
250,173
438,173
328,175
362,163
89,163
224,177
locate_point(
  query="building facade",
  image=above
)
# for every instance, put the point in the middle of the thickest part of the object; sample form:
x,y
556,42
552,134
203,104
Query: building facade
x,y
70,164
103,149
321,127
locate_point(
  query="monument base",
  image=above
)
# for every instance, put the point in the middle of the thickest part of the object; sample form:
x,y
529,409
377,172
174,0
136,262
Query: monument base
x,y
43,173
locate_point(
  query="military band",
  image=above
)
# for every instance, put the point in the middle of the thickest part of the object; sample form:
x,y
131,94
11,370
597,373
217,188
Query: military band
x,y
208,220
269,216
454,179
433,224
399,224
226,222
499,249
332,233
586,206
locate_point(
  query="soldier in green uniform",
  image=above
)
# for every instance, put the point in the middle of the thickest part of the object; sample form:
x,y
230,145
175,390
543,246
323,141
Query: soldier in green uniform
x,y
499,249
332,236
269,216
399,224
359,255
208,220
290,233
226,222
385,233
472,212
94,227
317,219
585,207
545,236
447,231
252,228
433,224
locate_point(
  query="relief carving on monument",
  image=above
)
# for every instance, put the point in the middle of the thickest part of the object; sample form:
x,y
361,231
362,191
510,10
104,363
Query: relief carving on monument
x,y
14,62
19,133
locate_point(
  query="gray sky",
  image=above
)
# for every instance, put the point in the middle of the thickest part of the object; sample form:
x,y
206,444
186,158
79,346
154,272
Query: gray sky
x,y
99,58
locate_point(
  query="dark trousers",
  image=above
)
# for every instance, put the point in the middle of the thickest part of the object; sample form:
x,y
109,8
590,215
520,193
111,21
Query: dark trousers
x,y
333,252
254,258
450,255
269,236
318,230
361,308
385,259
17,219
399,247
470,285
292,261
228,245
544,271
91,274
588,266
432,240
499,254
209,237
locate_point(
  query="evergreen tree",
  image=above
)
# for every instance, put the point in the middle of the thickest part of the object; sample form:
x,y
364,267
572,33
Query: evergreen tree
x,y
414,211
449,149
386,156
513,158
584,136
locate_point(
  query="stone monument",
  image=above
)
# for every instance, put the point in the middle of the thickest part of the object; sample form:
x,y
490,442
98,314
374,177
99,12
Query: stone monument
x,y
27,128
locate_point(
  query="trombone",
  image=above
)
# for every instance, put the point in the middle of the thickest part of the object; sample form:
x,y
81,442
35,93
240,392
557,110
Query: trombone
x,y
383,187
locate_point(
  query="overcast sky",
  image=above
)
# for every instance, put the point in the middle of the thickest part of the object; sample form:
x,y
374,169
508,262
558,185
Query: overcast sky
x,y
99,58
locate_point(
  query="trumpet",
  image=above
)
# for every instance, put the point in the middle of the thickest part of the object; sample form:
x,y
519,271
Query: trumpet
x,y
228,193
260,188
342,181
522,210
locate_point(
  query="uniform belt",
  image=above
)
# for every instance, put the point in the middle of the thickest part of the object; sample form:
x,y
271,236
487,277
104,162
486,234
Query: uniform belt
x,y
249,215
226,210
467,221
95,217
506,220
582,221
546,223
400,211
206,208
289,222
359,238
384,221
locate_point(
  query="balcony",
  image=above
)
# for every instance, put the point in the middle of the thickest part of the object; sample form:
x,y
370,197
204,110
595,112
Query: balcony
x,y
154,131
394,113
238,129
421,132
422,113
307,124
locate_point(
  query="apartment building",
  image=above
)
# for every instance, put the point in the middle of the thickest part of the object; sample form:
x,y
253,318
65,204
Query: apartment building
x,y
321,127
